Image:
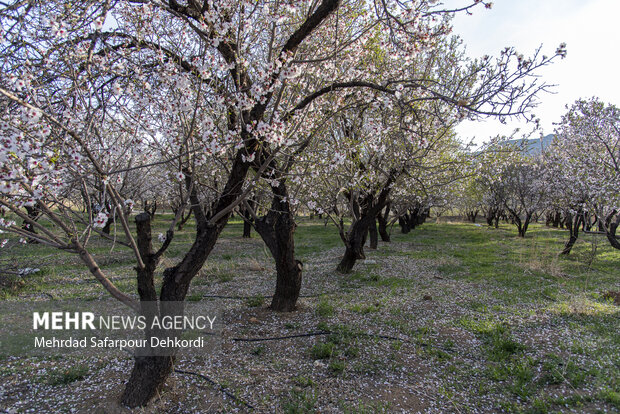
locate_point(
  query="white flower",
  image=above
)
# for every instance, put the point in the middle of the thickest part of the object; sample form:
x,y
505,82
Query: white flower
x,y
249,158
101,220
31,115
58,29
338,158
399,89
116,88
99,23
161,237
18,83
291,72
179,176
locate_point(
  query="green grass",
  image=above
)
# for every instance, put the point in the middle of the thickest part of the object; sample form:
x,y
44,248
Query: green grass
x,y
490,284
300,402
68,375
255,301
324,308
323,350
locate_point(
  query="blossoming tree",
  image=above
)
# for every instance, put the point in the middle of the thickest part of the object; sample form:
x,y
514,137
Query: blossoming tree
x,y
198,94
584,165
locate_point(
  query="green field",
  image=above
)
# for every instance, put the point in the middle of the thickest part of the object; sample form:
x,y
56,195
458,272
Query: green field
x,y
451,317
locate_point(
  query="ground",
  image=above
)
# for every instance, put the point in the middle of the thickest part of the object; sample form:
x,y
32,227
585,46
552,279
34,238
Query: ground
x,y
451,317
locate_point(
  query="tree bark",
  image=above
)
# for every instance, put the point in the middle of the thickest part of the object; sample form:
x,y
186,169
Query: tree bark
x,y
356,236
33,214
147,377
354,247
372,231
404,223
525,225
150,372
277,229
611,227
247,229
382,218
572,223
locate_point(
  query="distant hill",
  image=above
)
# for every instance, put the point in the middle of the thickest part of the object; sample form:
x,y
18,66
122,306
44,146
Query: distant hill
x,y
533,146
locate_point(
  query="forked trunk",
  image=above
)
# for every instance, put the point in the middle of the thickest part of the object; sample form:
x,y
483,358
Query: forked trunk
x,y
356,236
523,226
277,230
572,223
150,372
354,250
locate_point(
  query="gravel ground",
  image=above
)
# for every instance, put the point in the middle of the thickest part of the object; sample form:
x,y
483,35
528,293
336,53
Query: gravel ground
x,y
404,338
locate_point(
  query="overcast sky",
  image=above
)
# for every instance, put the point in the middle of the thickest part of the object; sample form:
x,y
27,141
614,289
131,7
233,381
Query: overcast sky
x,y
591,30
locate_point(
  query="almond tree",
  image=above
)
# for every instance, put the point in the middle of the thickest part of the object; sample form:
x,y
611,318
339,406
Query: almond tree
x,y
207,89
524,183
584,162
172,75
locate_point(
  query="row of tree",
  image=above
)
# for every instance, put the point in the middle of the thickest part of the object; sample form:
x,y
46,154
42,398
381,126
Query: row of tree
x,y
346,108
573,182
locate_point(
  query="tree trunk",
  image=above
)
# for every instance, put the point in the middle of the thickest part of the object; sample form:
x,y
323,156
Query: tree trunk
x,y
150,372
354,246
382,218
404,223
525,225
471,215
277,230
150,368
147,378
572,223
489,218
611,227
247,229
33,214
372,231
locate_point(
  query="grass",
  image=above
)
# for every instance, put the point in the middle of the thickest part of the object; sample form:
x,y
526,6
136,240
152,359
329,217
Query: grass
x,y
300,401
323,350
490,291
255,301
324,308
68,375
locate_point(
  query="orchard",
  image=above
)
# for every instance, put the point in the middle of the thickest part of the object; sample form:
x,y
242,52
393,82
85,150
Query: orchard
x,y
298,166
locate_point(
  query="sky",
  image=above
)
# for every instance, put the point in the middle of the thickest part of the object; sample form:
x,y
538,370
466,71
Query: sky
x,y
591,31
